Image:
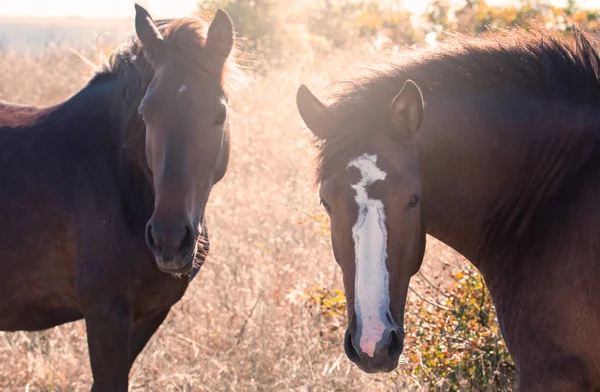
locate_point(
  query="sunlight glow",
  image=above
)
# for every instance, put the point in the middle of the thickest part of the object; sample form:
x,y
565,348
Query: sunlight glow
x,y
95,9
175,8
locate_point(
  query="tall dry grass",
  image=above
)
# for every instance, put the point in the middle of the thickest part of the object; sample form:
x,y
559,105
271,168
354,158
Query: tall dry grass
x,y
234,330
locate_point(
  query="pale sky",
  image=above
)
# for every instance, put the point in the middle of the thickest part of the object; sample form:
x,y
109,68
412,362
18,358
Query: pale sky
x,y
162,8
95,8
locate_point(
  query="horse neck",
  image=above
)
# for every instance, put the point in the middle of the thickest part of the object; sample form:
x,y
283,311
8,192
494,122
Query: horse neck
x,y
133,173
118,137
489,164
132,79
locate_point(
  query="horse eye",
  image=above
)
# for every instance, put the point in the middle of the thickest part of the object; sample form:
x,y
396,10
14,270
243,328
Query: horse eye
x,y
221,118
414,201
326,206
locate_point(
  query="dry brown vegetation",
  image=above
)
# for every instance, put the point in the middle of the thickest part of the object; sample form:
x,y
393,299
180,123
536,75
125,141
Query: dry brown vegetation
x,y
234,330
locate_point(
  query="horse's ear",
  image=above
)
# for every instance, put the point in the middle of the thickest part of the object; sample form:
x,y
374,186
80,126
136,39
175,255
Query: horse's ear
x,y
219,38
312,111
407,108
148,33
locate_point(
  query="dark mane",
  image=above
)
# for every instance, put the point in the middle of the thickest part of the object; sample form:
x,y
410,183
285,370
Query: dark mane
x,y
512,62
132,71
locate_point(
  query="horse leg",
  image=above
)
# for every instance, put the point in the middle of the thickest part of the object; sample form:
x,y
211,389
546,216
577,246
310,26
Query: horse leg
x,y
109,335
142,332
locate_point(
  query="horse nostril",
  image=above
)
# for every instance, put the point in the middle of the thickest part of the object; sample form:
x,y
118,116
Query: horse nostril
x,y
188,240
351,351
150,237
396,345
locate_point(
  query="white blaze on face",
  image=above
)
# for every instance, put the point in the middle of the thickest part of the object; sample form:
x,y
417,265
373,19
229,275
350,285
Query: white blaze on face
x,y
371,284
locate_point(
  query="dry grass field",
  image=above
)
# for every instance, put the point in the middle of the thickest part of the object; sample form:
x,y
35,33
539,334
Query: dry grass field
x,y
235,329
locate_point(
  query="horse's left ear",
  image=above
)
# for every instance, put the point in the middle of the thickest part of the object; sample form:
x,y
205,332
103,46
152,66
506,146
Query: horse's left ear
x,y
312,111
407,108
219,38
148,33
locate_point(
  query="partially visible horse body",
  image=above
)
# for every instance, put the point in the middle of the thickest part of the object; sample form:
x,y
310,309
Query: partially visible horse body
x,y
504,167
100,207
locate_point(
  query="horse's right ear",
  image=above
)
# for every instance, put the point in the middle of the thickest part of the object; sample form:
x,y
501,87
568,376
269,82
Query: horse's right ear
x,y
312,111
220,36
407,108
148,33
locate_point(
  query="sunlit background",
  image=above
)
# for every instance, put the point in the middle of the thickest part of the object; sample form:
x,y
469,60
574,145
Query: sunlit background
x,y
172,8
266,313
31,25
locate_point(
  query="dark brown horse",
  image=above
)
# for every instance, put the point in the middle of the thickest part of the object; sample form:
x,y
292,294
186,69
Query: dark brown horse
x,y
102,197
504,167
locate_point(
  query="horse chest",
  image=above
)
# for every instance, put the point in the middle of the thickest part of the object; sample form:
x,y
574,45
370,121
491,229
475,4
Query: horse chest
x,y
158,293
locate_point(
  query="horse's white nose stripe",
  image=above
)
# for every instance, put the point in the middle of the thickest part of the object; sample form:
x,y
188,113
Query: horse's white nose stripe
x,y
371,285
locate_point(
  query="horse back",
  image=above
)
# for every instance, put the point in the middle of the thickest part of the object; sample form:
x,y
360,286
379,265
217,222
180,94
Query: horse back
x,y
13,115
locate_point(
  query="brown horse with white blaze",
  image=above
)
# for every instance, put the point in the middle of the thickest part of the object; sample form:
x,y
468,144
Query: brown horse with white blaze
x,y
102,197
502,164
376,266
